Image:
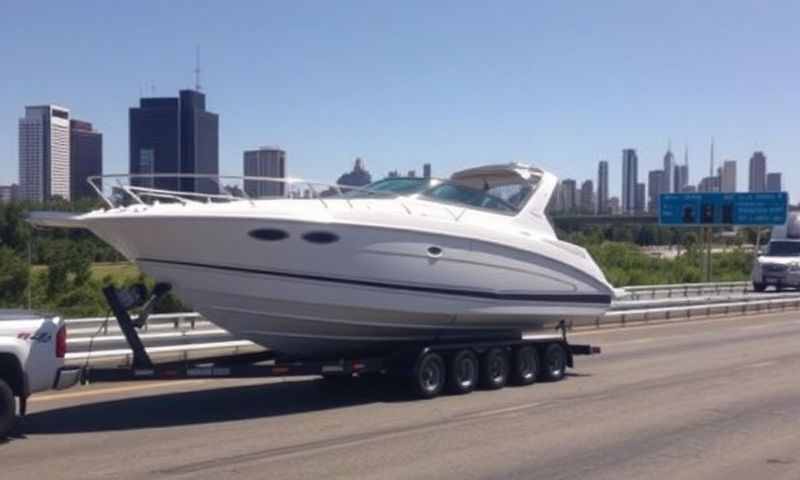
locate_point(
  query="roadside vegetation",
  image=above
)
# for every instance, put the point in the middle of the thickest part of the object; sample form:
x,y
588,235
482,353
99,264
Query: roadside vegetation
x,y
70,267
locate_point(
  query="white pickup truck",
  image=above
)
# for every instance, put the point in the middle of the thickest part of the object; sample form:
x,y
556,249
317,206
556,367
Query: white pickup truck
x,y
32,349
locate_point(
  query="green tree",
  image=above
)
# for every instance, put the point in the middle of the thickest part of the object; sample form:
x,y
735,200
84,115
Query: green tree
x,y
14,274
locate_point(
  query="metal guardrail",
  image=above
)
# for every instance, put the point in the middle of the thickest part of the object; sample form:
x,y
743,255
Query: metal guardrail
x,y
188,336
685,289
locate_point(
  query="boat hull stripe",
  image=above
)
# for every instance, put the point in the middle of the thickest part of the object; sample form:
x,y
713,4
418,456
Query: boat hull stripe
x,y
528,297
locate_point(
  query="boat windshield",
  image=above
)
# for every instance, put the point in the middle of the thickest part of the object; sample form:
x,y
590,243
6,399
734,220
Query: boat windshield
x,y
391,187
505,198
784,249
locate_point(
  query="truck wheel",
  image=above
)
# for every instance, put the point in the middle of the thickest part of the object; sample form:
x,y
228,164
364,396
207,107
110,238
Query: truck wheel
x,y
494,369
429,375
463,372
554,362
526,365
8,409
759,287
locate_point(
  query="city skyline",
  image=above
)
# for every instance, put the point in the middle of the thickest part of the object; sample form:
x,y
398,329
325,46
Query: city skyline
x,y
328,95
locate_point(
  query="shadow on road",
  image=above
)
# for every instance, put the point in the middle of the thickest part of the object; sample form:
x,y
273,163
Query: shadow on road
x,y
214,405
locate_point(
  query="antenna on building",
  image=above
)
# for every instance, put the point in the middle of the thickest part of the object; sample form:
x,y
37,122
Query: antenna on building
x,y
197,86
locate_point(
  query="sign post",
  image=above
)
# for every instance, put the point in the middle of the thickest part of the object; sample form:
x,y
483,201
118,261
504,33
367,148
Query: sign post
x,y
714,209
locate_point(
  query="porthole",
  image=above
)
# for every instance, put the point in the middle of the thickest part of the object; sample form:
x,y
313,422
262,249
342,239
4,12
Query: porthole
x,y
268,234
320,237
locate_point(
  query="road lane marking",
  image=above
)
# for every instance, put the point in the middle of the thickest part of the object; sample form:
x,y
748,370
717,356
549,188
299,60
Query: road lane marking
x,y
760,365
500,411
106,391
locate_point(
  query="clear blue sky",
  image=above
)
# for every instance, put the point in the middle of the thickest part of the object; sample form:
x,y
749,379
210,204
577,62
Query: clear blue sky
x,y
558,84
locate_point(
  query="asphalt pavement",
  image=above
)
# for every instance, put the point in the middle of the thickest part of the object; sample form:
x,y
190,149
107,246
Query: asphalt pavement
x,y
709,399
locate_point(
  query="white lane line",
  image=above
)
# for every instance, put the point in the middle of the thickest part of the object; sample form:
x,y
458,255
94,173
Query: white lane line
x,y
761,365
106,391
501,411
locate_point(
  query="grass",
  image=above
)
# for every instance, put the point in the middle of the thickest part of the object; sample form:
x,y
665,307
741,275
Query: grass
x,y
116,270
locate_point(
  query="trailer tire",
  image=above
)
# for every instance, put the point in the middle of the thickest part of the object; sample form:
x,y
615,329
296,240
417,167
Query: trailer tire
x,y
759,287
429,375
463,371
494,369
554,362
8,409
526,365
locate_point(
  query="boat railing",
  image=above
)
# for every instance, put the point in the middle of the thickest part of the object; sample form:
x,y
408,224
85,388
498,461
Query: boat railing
x,y
118,190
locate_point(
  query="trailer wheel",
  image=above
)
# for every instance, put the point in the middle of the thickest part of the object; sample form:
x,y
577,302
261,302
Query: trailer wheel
x,y
526,365
429,375
554,362
494,369
463,368
8,409
759,287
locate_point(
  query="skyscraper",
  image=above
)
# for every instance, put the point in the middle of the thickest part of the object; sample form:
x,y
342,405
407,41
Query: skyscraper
x,y
639,201
86,157
587,197
630,178
655,187
569,194
709,184
774,183
758,172
728,176
426,170
669,169
358,177
44,167
602,188
264,162
175,135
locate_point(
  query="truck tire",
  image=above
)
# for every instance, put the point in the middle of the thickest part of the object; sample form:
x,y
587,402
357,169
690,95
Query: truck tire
x,y
526,365
494,369
462,372
759,287
428,378
554,362
8,409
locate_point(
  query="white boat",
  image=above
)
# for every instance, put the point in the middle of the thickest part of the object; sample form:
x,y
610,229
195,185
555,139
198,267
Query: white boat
x,y
404,260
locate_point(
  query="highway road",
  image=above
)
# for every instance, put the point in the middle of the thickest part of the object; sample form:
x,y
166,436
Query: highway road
x,y
709,399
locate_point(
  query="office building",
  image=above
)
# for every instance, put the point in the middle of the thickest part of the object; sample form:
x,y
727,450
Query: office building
x,y
264,162
175,135
709,184
426,170
44,167
8,193
639,201
358,177
727,176
774,182
614,207
587,198
602,188
86,158
655,187
569,195
758,172
630,180
668,172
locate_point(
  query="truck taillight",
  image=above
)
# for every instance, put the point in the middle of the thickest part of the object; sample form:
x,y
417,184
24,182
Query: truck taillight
x,y
61,342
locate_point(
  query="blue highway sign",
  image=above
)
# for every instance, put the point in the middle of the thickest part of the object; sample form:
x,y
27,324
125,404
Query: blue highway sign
x,y
717,209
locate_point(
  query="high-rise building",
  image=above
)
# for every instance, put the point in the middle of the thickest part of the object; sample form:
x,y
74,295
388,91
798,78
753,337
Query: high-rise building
x,y
758,172
7,193
175,135
667,172
655,187
587,197
412,173
44,167
265,162
614,207
630,179
774,183
358,177
639,202
86,158
602,188
570,195
709,184
426,170
727,176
